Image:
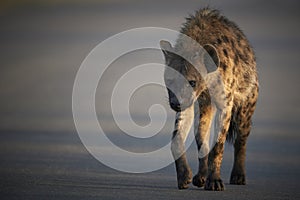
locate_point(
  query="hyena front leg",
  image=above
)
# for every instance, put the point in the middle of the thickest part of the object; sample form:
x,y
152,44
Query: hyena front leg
x,y
202,140
183,123
214,181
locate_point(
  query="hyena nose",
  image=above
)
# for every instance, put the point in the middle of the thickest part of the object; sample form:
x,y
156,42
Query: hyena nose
x,y
175,106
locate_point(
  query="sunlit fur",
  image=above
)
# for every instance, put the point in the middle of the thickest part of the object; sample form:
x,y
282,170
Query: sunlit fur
x,y
237,69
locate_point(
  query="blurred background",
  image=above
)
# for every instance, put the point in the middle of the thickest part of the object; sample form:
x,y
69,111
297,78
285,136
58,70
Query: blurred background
x,y
43,44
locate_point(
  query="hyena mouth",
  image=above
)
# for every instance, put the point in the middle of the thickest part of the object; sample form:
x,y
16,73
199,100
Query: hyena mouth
x,y
176,107
179,107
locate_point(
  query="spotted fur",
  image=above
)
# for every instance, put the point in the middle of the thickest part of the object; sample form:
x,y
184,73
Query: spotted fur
x,y
230,50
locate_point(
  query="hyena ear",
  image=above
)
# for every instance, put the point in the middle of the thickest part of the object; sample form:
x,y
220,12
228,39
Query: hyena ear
x,y
211,58
166,48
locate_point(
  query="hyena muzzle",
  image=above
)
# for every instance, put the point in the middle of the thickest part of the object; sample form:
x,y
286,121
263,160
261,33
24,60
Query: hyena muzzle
x,y
229,63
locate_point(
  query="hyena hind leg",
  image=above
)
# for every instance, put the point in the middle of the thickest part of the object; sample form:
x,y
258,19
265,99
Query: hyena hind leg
x,y
240,127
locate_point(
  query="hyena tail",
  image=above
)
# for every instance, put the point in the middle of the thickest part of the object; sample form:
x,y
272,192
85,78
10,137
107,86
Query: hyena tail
x,y
232,132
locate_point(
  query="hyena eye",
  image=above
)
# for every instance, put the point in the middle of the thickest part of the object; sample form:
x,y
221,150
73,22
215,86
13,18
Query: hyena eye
x,y
192,83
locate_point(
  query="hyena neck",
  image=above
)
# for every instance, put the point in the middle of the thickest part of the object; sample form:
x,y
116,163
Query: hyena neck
x,y
185,120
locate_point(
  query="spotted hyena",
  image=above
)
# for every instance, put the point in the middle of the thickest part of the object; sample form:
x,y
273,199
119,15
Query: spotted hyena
x,y
234,61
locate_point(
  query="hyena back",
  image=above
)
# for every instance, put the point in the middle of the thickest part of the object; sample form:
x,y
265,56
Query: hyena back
x,y
235,62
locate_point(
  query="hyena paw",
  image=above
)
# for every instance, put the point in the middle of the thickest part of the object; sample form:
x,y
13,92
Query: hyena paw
x,y
199,180
184,179
238,179
214,184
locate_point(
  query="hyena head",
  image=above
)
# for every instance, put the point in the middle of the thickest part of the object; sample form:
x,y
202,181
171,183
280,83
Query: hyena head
x,y
186,71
